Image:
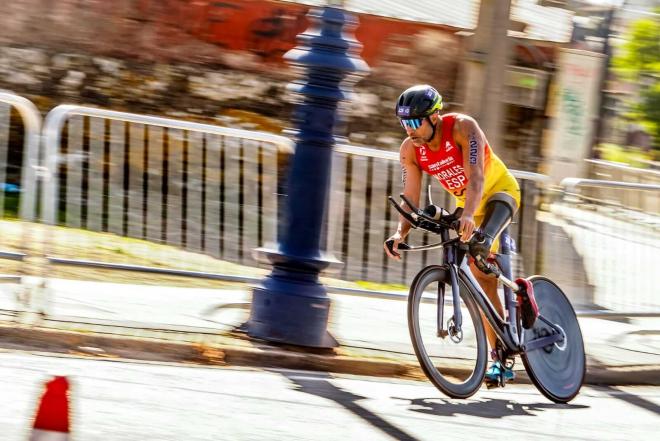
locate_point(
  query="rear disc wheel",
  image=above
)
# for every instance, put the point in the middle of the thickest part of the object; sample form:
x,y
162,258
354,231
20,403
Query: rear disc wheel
x,y
558,369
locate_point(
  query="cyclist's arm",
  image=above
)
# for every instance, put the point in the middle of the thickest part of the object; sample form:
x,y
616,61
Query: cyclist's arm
x,y
411,176
471,139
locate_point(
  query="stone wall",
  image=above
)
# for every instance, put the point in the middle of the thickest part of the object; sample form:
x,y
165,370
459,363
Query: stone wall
x,y
160,58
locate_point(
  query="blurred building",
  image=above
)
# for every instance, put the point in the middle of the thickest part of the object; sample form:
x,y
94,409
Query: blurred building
x,y
206,60
536,33
599,26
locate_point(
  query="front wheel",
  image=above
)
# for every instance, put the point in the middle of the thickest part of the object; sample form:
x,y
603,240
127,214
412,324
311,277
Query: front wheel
x,y
556,370
455,363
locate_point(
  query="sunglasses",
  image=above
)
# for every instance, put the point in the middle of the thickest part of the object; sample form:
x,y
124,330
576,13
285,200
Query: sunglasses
x,y
414,123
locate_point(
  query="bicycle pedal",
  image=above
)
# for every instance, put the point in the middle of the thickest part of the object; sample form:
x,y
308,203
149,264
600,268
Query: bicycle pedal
x,y
492,384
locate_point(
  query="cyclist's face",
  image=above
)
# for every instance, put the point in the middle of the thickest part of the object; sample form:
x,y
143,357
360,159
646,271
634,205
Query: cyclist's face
x,y
417,130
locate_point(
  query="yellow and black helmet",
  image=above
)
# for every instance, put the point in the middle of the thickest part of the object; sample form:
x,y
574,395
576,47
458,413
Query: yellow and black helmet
x,y
418,102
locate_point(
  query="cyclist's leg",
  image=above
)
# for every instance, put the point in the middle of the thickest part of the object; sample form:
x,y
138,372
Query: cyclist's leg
x,y
489,285
498,214
498,211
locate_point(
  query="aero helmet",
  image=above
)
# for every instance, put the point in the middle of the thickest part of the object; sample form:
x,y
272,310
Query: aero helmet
x,y
418,102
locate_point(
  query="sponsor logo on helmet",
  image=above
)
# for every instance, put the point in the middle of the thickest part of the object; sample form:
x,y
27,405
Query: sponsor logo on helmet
x,y
403,111
429,93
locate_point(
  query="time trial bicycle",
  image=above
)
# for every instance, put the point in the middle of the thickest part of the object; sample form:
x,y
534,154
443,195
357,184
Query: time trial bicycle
x,y
454,354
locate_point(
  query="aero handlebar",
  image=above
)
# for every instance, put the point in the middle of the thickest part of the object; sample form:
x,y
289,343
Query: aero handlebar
x,y
430,219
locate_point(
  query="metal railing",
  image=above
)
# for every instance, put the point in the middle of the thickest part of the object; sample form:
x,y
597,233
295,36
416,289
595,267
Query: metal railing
x,y
571,185
32,128
632,198
615,244
201,187
216,191
117,172
19,181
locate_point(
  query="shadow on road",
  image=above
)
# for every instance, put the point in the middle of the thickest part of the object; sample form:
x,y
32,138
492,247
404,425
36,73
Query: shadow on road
x,y
487,408
633,399
318,384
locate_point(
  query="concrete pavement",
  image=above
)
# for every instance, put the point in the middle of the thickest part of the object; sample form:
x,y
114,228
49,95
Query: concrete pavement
x,y
199,325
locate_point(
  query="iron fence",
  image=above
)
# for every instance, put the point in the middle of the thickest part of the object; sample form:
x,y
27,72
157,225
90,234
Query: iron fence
x,y
216,192
19,175
609,248
203,188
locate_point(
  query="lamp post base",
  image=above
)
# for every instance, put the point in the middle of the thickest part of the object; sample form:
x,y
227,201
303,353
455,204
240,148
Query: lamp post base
x,y
303,323
291,306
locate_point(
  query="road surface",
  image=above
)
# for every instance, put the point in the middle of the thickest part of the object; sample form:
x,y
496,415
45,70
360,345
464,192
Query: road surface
x,y
130,401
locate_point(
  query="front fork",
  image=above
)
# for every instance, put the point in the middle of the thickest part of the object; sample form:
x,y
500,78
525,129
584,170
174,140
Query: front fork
x,y
455,323
441,332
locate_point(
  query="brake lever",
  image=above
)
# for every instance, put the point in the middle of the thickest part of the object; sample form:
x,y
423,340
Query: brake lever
x,y
402,247
405,247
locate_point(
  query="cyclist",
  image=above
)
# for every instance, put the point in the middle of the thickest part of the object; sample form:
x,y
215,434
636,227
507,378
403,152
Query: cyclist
x,y
453,149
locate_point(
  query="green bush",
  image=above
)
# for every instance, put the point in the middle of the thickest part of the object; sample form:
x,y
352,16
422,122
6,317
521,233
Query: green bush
x,y
632,156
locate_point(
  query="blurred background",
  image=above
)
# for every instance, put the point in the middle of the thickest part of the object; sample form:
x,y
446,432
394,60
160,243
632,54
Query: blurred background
x,y
568,96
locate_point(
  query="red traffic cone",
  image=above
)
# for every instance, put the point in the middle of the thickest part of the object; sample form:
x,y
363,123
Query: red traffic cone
x,y
52,420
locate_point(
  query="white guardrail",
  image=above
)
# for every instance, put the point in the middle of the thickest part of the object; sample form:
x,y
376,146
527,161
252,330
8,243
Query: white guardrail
x,y
362,177
57,117
359,216
570,185
616,233
32,125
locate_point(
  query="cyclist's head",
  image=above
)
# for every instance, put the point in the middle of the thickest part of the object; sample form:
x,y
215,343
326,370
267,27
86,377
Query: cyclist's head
x,y
417,103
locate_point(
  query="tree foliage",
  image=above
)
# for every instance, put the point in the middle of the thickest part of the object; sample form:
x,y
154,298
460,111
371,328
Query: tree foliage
x,y
638,61
640,53
650,109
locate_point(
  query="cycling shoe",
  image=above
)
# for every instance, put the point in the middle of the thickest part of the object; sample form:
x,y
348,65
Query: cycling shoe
x,y
498,375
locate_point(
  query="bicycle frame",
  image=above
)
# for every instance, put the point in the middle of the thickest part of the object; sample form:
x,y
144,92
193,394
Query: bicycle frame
x,y
507,329
455,258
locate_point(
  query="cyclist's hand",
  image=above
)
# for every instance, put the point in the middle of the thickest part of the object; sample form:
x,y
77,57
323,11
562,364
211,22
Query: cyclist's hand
x,y
467,227
394,242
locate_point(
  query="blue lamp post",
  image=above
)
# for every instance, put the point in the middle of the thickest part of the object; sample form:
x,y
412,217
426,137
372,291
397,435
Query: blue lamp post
x,y
291,305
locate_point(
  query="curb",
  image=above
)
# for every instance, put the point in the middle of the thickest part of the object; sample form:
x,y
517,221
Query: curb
x,y
147,349
261,355
623,376
103,346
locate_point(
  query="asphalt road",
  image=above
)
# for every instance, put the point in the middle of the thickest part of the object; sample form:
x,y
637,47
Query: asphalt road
x,y
127,401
